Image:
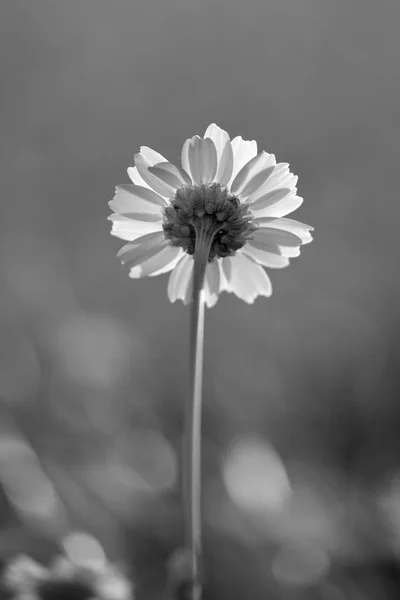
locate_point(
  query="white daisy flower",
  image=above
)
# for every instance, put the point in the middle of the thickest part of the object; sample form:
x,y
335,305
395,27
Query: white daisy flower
x,y
25,579
225,194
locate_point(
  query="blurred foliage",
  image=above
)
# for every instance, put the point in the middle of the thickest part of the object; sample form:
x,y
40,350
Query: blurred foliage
x,y
301,451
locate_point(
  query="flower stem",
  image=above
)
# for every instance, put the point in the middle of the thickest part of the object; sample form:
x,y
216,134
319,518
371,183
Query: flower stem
x,y
192,434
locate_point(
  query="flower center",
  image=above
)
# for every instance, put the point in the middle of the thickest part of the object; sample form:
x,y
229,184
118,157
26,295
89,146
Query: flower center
x,y
208,212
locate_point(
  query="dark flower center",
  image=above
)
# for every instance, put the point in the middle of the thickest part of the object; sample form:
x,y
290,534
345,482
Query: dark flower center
x,y
211,211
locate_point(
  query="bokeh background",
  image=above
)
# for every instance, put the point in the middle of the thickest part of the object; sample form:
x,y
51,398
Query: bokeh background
x,y
301,416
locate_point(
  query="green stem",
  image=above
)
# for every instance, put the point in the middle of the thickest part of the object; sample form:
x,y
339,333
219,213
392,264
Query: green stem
x,y
192,441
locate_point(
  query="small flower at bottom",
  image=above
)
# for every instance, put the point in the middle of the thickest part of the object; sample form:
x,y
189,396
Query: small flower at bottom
x,y
225,196
65,579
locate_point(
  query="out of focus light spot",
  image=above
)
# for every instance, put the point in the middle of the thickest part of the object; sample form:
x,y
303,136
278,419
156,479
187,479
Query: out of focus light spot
x,y
83,549
114,586
93,350
25,484
149,455
300,563
255,476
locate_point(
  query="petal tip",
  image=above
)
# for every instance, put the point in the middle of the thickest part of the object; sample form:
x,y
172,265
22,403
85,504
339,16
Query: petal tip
x,y
138,158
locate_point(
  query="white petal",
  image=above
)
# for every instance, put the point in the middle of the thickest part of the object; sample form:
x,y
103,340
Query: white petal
x,y
280,207
185,156
130,229
218,136
280,237
264,257
243,151
266,244
279,249
132,198
224,150
144,217
171,175
171,265
152,156
160,263
225,268
202,159
212,283
248,279
284,207
281,177
180,280
148,158
289,251
299,229
269,198
225,165
257,180
210,300
142,248
253,174
189,290
135,177
277,197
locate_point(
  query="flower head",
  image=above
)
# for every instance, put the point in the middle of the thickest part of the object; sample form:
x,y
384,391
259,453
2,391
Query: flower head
x,y
225,196
25,579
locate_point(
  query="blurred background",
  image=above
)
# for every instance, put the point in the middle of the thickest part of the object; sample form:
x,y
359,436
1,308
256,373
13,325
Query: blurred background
x,y
301,416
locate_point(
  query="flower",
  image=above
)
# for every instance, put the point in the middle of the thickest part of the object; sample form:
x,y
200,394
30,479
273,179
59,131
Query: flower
x,y
225,196
26,579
